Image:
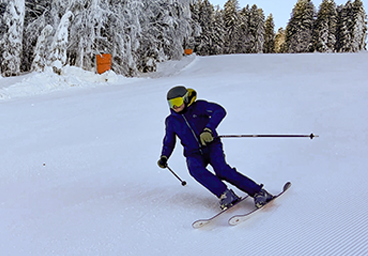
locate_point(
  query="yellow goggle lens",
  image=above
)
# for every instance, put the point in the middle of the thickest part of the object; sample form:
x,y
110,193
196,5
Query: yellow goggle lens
x,y
176,102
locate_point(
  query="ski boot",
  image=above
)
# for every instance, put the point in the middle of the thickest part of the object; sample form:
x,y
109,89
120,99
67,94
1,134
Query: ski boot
x,y
228,199
262,197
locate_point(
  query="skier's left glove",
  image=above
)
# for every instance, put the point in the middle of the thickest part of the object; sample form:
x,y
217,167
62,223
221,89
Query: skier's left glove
x,y
162,162
206,136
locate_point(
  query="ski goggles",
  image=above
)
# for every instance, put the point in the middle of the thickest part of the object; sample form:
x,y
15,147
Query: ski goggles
x,y
176,102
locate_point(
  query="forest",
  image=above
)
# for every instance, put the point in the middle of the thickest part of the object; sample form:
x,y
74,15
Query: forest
x,y
40,34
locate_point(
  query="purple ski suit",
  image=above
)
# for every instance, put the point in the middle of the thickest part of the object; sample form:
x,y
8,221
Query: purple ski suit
x,y
188,126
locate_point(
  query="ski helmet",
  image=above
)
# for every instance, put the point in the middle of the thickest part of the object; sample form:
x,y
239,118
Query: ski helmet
x,y
176,96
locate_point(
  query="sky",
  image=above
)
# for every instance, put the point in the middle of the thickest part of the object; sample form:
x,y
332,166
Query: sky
x,y
280,9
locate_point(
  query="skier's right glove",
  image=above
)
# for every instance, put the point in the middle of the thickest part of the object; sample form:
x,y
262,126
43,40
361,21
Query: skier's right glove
x,y
206,136
162,162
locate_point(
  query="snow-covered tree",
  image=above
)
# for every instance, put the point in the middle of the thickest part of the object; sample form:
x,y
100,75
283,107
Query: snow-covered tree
x,y
37,17
360,26
58,8
352,27
344,26
148,42
232,24
299,29
58,51
40,53
166,30
169,27
269,43
194,40
244,35
2,7
256,29
35,9
39,14
3,28
132,30
12,39
206,21
122,35
324,38
175,23
218,32
87,33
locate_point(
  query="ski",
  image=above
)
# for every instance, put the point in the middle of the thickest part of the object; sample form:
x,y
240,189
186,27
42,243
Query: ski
x,y
235,220
202,222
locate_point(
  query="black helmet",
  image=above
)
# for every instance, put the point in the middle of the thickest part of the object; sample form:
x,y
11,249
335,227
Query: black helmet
x,y
176,96
177,91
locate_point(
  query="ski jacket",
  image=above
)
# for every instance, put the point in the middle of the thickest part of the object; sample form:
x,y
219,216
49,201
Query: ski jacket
x,y
189,125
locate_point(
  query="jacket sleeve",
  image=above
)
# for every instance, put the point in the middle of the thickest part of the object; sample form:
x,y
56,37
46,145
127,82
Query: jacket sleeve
x,y
217,114
169,139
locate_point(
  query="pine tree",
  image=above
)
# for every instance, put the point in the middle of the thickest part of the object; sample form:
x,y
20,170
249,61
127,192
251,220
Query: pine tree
x,y
345,28
218,33
206,19
244,34
58,52
147,51
359,34
269,44
3,30
39,14
342,33
40,53
168,30
172,27
231,20
256,29
194,40
37,17
150,49
130,35
280,37
12,40
2,10
260,31
299,30
35,9
88,33
324,38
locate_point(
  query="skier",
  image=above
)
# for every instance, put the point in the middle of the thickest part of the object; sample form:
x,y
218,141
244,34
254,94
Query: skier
x,y
195,122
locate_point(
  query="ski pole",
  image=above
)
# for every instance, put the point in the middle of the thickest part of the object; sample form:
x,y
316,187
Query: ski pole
x,y
183,182
311,136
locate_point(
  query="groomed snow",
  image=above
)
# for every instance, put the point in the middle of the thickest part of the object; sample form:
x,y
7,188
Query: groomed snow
x,y
78,169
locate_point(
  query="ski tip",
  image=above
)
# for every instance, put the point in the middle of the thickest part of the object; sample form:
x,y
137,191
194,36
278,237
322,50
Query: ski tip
x,y
234,221
199,223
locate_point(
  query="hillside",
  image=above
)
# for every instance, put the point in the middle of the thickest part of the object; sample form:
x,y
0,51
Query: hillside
x,y
79,151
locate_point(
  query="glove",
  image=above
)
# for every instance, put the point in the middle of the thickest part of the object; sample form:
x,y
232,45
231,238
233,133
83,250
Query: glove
x,y
162,162
206,136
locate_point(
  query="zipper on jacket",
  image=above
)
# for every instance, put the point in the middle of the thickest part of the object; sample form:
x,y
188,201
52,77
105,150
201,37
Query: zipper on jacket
x,y
195,136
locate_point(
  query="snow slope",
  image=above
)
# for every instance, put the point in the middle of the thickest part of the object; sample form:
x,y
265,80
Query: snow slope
x,y
78,159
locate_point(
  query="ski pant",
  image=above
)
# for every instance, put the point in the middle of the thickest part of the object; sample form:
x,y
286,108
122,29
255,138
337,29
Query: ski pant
x,y
213,154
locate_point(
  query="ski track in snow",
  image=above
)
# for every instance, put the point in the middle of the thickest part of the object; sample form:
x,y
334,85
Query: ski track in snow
x,y
79,174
